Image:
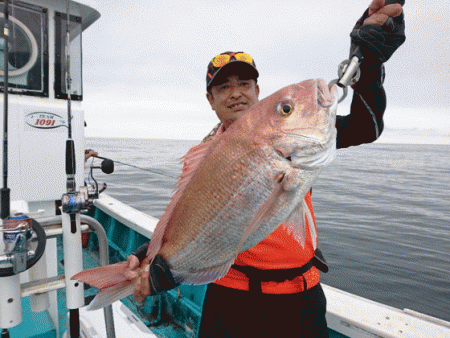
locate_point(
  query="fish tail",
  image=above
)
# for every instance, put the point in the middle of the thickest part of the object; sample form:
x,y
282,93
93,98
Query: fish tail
x,y
111,281
111,294
103,277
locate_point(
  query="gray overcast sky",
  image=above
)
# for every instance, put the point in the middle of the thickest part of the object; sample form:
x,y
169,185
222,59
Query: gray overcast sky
x,y
145,62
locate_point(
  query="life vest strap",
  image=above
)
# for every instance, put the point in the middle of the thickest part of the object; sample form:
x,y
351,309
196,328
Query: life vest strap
x,y
256,276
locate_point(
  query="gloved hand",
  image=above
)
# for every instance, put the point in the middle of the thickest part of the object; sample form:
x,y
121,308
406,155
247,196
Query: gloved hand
x,y
381,40
156,277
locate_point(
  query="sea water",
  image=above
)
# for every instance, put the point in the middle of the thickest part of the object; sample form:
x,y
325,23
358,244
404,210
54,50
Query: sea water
x,y
382,211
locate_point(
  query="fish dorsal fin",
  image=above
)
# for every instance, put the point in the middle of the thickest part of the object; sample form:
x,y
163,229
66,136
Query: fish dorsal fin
x,y
191,161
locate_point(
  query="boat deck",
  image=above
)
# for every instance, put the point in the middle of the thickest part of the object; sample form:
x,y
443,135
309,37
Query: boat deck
x,y
174,314
177,313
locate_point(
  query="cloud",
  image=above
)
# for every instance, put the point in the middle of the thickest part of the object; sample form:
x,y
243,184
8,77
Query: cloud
x,y
414,136
149,58
417,118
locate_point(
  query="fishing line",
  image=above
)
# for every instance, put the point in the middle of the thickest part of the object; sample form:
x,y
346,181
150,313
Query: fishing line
x,y
134,166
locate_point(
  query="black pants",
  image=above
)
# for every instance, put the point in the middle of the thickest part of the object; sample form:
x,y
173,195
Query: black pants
x,y
234,313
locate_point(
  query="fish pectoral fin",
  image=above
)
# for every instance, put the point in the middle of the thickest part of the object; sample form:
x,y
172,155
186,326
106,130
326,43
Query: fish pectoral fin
x,y
295,224
292,179
109,295
312,228
259,216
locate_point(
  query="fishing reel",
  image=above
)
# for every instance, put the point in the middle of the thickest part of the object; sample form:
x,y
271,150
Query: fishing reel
x,y
17,233
84,198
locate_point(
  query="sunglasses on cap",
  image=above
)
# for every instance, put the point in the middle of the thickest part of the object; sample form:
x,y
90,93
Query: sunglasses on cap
x,y
222,59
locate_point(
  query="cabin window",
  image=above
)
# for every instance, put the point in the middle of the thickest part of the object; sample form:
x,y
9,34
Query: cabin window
x,y
28,49
61,57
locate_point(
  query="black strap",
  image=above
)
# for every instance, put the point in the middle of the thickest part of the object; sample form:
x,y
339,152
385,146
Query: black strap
x,y
320,262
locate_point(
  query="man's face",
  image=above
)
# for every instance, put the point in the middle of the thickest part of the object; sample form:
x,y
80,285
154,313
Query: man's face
x,y
231,98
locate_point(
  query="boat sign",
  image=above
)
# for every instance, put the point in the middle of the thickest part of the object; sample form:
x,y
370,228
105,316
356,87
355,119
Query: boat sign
x,y
45,120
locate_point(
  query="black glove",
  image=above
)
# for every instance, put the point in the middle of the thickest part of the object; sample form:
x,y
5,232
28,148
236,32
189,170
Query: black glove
x,y
160,277
382,41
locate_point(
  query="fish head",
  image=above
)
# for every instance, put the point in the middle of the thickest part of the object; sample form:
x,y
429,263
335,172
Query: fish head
x,y
299,123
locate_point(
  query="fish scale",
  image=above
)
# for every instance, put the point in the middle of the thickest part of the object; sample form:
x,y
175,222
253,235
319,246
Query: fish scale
x,y
222,240
206,206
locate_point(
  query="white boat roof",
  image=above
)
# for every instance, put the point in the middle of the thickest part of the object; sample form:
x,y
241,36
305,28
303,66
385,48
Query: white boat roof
x,y
79,8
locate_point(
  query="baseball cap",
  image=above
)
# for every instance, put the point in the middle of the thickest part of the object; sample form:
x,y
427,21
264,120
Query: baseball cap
x,y
219,62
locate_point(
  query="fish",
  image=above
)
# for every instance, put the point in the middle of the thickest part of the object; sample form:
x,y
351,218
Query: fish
x,y
238,188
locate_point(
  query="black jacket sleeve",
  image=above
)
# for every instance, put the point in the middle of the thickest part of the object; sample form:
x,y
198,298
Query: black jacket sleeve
x,y
364,124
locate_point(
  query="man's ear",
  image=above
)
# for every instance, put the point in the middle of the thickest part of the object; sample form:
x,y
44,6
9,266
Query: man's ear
x,y
210,99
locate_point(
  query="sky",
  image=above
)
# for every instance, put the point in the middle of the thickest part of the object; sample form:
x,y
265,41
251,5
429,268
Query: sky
x,y
145,62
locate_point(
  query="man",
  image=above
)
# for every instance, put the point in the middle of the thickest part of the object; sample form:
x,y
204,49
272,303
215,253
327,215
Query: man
x,y
273,289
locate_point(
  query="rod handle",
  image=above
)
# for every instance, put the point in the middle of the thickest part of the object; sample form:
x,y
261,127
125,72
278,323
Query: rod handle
x,y
5,202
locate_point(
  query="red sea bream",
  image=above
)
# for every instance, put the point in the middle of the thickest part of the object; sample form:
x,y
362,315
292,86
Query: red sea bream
x,y
238,188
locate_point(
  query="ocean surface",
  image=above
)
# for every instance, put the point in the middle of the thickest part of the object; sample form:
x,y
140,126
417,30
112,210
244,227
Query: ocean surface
x,y
382,210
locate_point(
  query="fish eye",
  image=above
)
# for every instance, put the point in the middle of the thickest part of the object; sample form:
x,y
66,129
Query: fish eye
x,y
285,108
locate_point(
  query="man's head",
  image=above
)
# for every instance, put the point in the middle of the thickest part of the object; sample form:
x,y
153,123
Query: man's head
x,y
231,85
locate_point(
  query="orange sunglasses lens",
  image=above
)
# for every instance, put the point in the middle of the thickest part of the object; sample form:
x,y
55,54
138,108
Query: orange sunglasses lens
x,y
220,60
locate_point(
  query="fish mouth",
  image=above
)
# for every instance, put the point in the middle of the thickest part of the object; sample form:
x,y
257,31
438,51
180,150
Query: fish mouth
x,y
316,154
326,96
311,153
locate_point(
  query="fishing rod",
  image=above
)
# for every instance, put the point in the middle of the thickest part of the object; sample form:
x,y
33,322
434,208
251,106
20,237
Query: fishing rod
x,y
348,70
140,168
72,203
5,191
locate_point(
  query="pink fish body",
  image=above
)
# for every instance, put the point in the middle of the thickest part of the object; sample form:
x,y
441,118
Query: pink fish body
x,y
238,188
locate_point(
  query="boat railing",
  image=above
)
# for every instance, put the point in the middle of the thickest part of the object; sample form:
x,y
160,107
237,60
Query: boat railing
x,y
53,228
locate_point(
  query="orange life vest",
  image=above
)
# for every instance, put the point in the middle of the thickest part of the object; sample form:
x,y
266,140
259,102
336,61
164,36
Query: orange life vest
x,y
278,251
